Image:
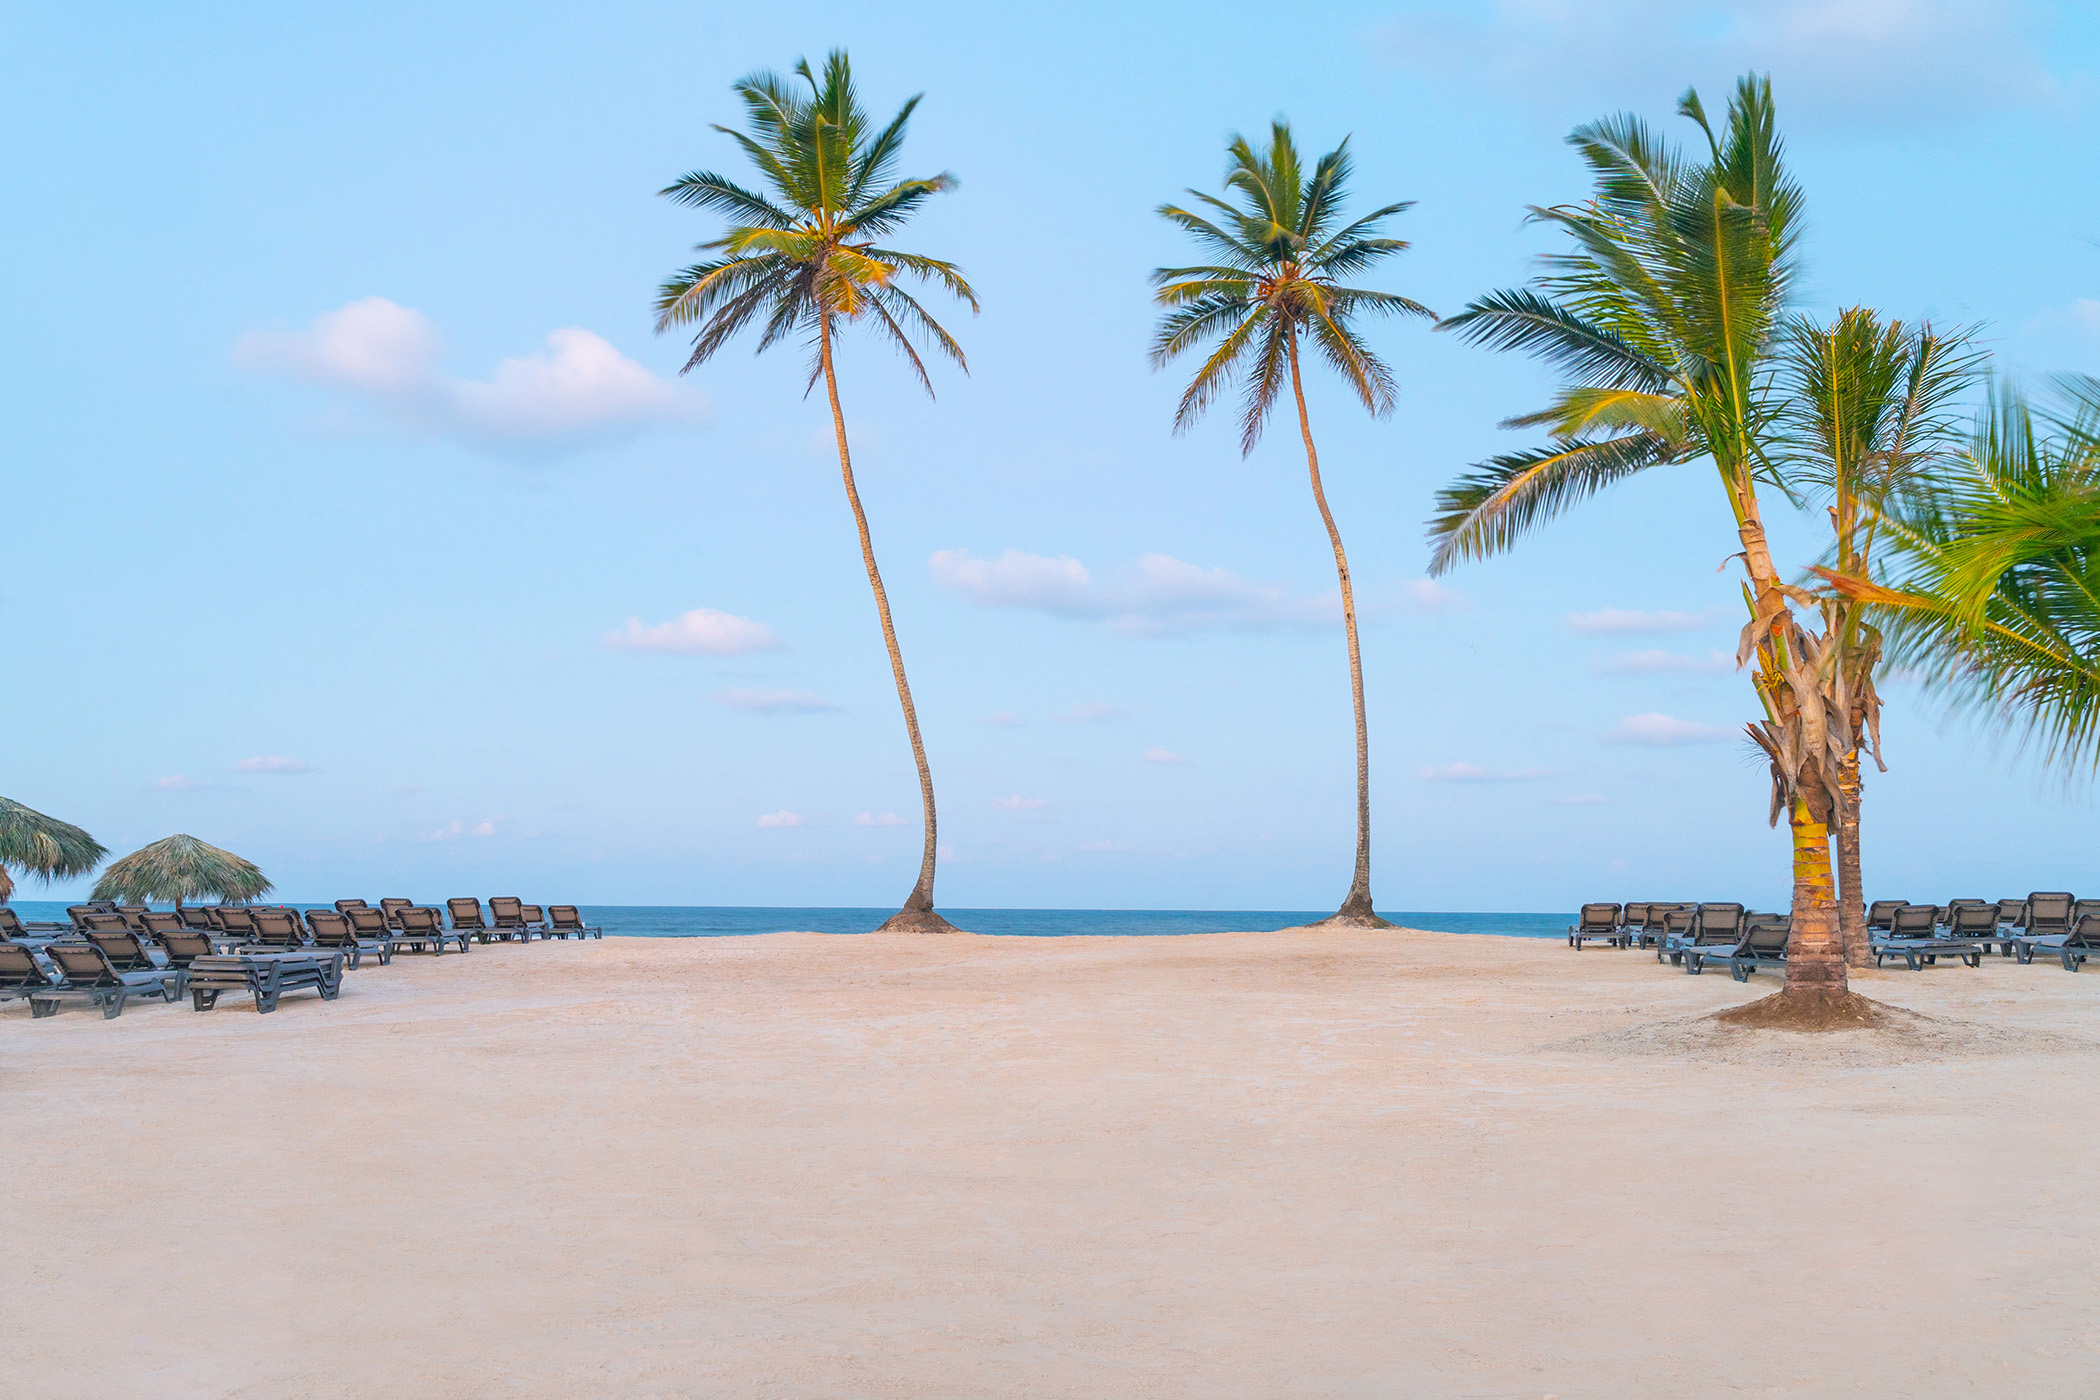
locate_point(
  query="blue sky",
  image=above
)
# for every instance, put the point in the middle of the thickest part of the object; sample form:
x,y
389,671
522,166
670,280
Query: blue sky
x,y
357,521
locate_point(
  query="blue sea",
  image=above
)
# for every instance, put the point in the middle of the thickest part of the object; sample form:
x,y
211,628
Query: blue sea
x,y
693,921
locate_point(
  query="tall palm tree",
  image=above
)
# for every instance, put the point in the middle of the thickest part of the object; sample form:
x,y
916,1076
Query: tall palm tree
x,y
41,846
1664,316
1991,593
800,257
1280,253
1869,417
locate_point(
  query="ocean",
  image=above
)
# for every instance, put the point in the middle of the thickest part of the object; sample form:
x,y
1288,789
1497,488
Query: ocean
x,y
701,921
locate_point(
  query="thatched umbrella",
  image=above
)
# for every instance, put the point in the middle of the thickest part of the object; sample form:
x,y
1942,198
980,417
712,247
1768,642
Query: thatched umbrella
x,y
42,846
179,868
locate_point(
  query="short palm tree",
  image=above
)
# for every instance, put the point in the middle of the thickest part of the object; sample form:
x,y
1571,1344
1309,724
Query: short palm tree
x,y
1869,419
1990,592
1280,253
180,868
800,259
41,846
1665,317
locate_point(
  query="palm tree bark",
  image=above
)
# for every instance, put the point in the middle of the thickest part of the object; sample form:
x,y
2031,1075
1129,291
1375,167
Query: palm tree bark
x,y
1852,908
1356,910
917,915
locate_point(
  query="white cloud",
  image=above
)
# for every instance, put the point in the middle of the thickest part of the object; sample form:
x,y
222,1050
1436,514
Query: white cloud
x,y
701,632
1158,596
1661,731
175,782
274,763
1474,773
1018,803
1620,621
773,702
1668,663
453,831
886,819
780,819
1166,756
1093,712
579,390
1891,63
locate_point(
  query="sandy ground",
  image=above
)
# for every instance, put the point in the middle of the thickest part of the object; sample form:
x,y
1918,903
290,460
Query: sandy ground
x,y
1248,1166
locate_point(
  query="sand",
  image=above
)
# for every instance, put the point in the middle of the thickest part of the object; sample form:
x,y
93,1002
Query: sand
x,y
1296,1165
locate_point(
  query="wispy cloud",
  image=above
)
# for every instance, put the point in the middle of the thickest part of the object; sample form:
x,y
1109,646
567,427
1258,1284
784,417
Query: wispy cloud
x,y
176,782
1093,712
886,819
383,356
1886,63
274,763
453,831
1660,731
1163,756
1667,663
1018,803
701,632
1474,773
781,818
773,702
1003,719
1158,596
1626,621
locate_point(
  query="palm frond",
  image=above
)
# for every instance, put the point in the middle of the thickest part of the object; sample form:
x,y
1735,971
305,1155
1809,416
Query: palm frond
x,y
1486,511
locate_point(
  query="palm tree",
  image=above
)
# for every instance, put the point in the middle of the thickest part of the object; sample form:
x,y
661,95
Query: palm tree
x,y
1664,315
1868,418
41,846
800,257
1993,595
1280,252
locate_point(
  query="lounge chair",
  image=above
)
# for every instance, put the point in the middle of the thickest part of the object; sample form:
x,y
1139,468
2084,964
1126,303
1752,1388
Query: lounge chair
x,y
1597,921
507,918
157,924
265,975
344,906
235,921
536,917
1650,932
1914,937
185,946
278,928
333,930
78,913
2082,908
1973,921
1630,921
21,975
13,929
1677,923
564,920
466,917
2071,948
2049,913
103,923
391,908
89,973
1880,913
126,953
1712,926
1763,945
424,930
197,918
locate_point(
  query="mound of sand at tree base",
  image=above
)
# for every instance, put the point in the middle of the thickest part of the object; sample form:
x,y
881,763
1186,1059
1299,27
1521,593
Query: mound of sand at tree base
x,y
1287,1165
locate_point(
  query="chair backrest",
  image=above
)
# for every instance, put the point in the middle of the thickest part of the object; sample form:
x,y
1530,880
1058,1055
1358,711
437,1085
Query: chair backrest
x,y
104,923
2049,911
276,925
2012,911
564,916
1720,923
1678,919
1881,913
1915,921
329,926
19,968
183,944
84,965
158,923
1947,914
2087,933
344,906
134,916
122,948
1973,920
197,916
1768,935
532,913
466,913
235,919
506,910
414,920
2082,908
78,912
1599,918
366,923
10,923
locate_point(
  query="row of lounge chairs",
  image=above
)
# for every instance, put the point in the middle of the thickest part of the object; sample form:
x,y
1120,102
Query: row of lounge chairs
x,y
1920,934
108,953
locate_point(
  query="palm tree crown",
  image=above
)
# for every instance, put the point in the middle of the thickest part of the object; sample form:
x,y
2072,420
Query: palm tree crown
x,y
1280,260
805,251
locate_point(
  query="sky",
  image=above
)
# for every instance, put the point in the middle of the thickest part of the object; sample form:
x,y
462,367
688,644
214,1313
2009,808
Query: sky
x,y
357,521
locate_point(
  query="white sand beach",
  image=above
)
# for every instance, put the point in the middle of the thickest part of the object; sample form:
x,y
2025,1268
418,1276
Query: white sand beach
x,y
1230,1166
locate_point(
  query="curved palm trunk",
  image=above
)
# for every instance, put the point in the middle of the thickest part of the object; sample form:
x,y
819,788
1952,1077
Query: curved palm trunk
x,y
1852,907
917,915
1356,910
